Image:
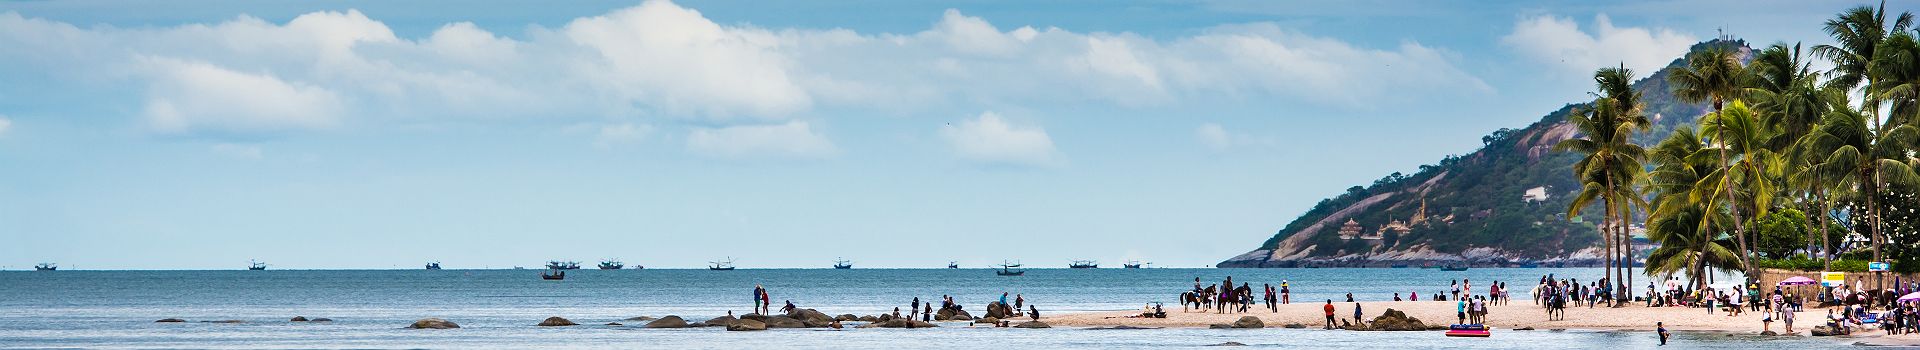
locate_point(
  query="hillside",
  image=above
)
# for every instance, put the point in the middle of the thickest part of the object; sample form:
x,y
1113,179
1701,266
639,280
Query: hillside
x,y
1503,204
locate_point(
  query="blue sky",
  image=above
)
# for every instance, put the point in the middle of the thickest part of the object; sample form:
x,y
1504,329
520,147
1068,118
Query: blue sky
x,y
376,134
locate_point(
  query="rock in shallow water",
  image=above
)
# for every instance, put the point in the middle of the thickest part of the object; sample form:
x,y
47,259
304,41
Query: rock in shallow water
x,y
169,320
1033,324
321,319
640,318
1231,343
747,325
668,322
433,323
1249,322
299,319
557,321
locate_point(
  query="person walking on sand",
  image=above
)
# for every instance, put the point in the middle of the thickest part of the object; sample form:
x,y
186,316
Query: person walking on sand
x,y
1329,309
1273,301
1460,311
1357,315
1661,327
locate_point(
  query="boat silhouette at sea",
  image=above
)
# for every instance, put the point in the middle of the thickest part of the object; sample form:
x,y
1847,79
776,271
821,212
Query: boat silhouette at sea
x,y
256,265
433,265
46,267
842,264
612,264
1083,264
722,265
1008,269
563,265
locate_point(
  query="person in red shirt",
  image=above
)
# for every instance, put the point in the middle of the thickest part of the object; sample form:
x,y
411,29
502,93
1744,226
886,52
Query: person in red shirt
x,y
1329,309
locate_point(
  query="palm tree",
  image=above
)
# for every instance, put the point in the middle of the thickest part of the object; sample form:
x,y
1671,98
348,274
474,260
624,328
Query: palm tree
x,y
1715,75
1739,131
1859,161
1687,226
1858,32
1612,161
1786,91
1896,71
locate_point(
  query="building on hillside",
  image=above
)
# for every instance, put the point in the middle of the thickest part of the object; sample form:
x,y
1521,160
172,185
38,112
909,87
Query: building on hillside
x,y
1535,195
1350,230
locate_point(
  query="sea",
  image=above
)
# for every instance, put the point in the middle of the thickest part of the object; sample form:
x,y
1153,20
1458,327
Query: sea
x,y
497,309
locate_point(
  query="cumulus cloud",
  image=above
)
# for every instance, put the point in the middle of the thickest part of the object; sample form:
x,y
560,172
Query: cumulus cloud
x,y
1560,42
991,139
190,95
671,64
793,139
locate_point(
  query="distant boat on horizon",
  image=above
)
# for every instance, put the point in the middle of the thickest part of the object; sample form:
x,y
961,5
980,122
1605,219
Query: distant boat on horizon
x,y
563,265
433,265
1084,264
46,267
1454,268
953,264
256,265
1134,264
612,264
1006,269
554,275
723,265
842,264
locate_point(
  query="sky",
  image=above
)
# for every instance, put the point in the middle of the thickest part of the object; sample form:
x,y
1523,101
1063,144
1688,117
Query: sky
x,y
492,134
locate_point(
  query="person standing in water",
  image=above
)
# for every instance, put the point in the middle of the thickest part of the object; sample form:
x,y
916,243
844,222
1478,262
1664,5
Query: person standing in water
x,y
1662,329
913,309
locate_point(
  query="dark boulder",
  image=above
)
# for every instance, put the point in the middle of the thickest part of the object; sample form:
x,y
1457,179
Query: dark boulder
x,y
1393,320
785,322
1231,343
869,318
321,319
1219,326
299,319
1295,326
952,314
900,323
1249,322
668,322
225,321
721,321
846,317
755,317
616,324
556,321
1033,324
640,318
812,318
170,320
989,320
433,323
746,325
997,310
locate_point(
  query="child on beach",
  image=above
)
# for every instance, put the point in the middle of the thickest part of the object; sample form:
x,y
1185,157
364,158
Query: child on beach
x,y
1662,328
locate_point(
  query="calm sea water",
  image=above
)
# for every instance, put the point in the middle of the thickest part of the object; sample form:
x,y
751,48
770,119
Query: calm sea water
x,y
497,308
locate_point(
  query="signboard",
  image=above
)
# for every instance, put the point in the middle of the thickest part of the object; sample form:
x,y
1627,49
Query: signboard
x,y
1877,266
1833,279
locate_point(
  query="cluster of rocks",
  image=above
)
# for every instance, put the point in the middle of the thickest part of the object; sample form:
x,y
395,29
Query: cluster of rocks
x,y
295,319
1392,320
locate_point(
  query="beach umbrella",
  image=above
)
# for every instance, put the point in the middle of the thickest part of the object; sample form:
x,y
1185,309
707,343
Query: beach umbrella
x,y
1915,296
1797,281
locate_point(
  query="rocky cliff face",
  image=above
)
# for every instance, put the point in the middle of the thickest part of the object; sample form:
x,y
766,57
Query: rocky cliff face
x,y
1501,205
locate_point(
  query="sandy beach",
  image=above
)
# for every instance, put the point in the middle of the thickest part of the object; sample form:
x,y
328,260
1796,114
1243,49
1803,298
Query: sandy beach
x,y
1519,314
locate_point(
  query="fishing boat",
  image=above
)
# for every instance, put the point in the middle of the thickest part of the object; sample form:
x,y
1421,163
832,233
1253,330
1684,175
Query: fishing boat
x,y
1453,268
953,264
256,265
1083,264
842,264
1133,264
554,275
1469,330
1007,269
563,265
612,264
723,265
433,265
46,267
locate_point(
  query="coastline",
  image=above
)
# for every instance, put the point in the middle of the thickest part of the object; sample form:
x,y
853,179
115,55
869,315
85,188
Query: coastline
x,y
1503,318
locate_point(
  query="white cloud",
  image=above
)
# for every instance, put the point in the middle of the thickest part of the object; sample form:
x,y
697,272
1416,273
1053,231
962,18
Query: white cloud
x,y
5,125
795,139
242,151
195,95
990,139
1559,42
670,63
616,134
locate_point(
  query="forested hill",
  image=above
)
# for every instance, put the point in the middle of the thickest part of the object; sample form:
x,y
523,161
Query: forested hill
x,y
1502,204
